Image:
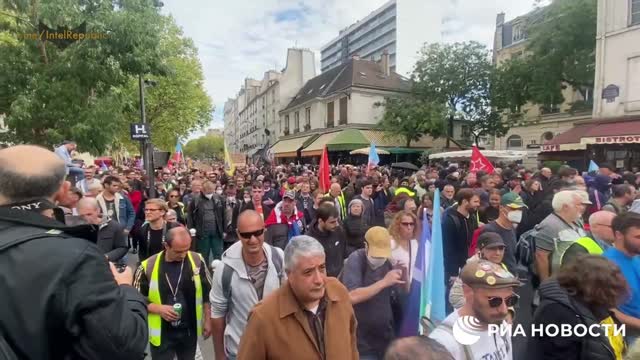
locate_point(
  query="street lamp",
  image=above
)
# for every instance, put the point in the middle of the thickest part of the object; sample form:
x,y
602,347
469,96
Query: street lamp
x,y
146,147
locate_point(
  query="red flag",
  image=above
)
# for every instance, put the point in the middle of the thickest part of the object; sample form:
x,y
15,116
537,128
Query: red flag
x,y
324,173
479,162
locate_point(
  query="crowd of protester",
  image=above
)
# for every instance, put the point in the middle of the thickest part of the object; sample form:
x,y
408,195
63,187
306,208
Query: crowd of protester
x,y
347,254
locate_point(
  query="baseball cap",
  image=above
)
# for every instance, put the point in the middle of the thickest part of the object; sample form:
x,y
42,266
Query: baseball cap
x,y
291,180
485,274
289,194
585,197
378,242
490,240
512,200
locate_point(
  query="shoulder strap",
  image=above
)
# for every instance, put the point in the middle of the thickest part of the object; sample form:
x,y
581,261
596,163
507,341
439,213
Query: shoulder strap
x,y
468,355
32,235
227,272
277,263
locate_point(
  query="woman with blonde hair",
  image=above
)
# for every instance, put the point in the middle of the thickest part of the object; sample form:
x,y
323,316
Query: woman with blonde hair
x,y
404,230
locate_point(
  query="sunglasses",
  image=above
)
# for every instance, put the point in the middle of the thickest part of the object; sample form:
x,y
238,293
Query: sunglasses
x,y
407,224
249,235
512,300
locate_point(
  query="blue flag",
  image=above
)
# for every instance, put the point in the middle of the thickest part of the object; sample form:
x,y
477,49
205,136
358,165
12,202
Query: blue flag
x,y
103,166
374,159
427,294
593,167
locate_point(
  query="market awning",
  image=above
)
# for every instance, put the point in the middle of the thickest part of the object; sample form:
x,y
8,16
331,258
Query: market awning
x,y
568,140
288,147
490,154
315,148
347,140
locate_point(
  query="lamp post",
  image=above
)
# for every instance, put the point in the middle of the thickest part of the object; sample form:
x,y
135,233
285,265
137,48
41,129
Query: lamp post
x,y
146,147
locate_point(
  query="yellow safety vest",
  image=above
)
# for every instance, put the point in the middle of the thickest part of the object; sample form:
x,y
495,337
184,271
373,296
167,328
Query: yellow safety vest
x,y
342,204
155,320
590,245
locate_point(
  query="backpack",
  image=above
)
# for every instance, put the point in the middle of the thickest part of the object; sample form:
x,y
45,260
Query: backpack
x,y
526,256
227,273
6,350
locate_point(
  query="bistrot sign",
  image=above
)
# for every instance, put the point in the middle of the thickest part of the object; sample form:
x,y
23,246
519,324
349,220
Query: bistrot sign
x,y
140,131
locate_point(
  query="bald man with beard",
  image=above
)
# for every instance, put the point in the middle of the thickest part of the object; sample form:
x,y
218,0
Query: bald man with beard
x,y
60,294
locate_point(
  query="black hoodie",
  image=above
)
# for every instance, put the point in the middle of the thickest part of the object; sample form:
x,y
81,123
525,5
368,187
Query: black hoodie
x,y
457,232
558,307
335,247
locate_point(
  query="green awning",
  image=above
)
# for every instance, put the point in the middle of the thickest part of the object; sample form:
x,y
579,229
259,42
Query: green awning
x,y
347,140
403,150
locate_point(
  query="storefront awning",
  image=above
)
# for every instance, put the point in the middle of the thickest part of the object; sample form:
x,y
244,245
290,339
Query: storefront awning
x,y
626,132
568,140
288,147
601,132
347,140
316,147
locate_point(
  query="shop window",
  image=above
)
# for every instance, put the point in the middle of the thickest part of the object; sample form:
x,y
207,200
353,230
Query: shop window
x,y
514,142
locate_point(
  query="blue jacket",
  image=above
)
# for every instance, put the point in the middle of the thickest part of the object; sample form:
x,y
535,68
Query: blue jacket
x,y
124,210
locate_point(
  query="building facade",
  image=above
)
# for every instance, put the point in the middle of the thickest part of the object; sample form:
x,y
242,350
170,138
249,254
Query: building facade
x,y
252,116
400,28
340,109
617,82
612,137
542,122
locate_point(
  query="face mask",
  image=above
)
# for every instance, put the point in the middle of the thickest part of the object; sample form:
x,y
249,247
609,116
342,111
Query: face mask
x,y
515,217
247,199
208,196
219,192
376,262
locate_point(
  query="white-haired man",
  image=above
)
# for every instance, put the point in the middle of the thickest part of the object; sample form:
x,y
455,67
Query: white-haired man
x,y
309,317
111,238
558,231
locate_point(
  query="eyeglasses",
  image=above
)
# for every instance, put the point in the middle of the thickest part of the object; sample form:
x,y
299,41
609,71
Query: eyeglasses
x,y
407,224
512,300
150,210
249,235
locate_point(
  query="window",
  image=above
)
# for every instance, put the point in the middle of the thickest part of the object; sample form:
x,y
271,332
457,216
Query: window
x,y
296,122
519,33
286,123
466,132
343,111
330,115
307,118
514,142
635,12
549,109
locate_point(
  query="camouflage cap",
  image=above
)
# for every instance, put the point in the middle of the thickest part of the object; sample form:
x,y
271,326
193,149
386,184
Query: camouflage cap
x,y
485,274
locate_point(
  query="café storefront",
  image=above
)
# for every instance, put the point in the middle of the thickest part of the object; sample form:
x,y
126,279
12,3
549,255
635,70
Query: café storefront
x,y
616,142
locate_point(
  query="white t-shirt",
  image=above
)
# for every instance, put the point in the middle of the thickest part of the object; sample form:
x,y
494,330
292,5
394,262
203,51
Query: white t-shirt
x,y
398,253
488,346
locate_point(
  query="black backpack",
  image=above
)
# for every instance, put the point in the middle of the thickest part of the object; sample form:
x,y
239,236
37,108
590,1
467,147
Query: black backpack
x,y
19,237
526,256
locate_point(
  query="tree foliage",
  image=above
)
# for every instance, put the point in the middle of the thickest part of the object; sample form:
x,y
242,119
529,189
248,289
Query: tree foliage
x,y
411,118
88,90
205,147
560,53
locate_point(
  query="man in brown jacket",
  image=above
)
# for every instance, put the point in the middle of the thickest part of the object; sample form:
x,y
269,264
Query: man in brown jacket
x,y
309,318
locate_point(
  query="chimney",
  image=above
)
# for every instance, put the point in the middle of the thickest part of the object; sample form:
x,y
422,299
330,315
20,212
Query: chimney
x,y
384,63
500,19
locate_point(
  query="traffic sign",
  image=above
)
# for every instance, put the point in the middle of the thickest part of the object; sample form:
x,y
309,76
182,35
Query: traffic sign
x,y
140,131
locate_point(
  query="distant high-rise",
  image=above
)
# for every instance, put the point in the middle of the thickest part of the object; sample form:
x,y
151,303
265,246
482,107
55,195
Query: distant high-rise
x,y
399,27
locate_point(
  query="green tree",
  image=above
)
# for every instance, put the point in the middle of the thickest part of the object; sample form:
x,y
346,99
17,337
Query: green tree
x,y
560,53
458,76
205,147
411,118
88,90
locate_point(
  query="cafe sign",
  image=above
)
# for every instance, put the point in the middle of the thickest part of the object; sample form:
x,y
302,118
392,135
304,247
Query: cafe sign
x,y
622,139
550,148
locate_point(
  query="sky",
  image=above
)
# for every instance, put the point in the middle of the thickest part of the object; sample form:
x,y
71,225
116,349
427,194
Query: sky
x,y
245,38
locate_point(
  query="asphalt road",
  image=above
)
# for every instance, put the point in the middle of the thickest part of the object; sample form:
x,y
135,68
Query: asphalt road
x,y
205,347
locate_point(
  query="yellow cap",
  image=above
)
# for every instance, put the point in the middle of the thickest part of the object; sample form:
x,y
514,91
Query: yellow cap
x,y
378,242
